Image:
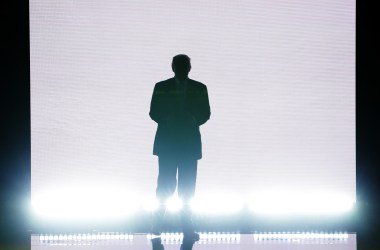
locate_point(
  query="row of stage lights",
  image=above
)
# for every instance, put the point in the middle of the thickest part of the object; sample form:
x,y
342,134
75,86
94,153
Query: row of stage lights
x,y
222,237
85,237
300,236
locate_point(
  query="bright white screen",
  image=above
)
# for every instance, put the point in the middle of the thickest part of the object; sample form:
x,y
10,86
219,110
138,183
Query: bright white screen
x,y
281,82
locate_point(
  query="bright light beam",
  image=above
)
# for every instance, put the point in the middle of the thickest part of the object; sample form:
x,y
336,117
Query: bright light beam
x,y
287,203
217,204
85,203
174,204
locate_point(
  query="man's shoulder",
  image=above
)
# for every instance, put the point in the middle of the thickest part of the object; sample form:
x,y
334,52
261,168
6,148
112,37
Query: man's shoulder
x,y
196,83
164,83
170,81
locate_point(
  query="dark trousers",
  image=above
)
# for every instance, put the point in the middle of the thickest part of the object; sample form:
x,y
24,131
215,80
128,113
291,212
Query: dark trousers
x,y
167,182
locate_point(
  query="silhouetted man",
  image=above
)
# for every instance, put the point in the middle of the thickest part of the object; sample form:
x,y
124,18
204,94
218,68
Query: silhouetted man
x,y
179,106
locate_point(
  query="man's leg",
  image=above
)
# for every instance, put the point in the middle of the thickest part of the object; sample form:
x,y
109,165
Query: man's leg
x,y
187,175
166,184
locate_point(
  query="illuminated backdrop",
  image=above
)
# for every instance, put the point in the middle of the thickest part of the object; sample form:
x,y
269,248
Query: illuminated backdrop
x,y
281,81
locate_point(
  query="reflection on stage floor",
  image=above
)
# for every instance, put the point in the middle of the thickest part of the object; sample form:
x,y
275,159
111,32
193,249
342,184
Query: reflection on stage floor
x,y
210,241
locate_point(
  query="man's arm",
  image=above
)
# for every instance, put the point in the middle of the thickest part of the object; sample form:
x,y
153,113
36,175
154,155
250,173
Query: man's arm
x,y
204,107
156,105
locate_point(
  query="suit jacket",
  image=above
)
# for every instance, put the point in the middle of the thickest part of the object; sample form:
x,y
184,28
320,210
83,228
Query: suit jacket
x,y
178,118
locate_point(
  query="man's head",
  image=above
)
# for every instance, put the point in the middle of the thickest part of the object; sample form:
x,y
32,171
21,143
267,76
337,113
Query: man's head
x,y
181,66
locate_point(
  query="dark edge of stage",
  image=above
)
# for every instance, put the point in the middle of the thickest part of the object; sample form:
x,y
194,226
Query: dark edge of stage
x,y
15,126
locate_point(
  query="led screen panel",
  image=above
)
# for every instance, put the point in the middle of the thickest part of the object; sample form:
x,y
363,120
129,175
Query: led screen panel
x,y
281,84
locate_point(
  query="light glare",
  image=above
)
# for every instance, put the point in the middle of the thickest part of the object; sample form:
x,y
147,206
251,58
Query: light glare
x,y
85,203
291,202
174,204
88,203
217,204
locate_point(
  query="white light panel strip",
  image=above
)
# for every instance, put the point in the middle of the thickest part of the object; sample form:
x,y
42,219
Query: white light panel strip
x,y
177,238
84,237
299,236
205,238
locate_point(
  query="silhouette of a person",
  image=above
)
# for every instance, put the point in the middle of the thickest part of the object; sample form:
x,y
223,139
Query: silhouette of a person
x,y
179,105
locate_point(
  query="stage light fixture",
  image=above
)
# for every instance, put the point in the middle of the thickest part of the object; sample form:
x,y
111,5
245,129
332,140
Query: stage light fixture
x,y
300,236
219,237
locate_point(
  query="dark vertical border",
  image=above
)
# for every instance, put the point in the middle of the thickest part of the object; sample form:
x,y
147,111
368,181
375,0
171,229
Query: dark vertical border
x,y
368,123
15,125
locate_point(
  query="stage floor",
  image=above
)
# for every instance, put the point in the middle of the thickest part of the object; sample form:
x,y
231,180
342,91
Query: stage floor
x,y
209,241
